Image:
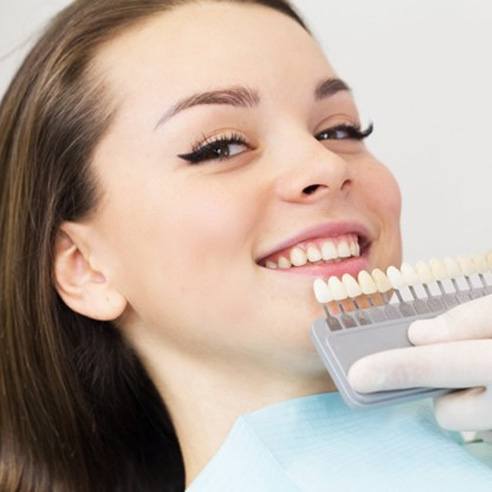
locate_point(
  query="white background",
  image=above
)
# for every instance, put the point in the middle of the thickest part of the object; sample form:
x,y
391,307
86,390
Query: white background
x,y
421,70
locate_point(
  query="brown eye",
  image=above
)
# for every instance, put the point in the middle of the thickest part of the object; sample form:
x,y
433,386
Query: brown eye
x,y
218,149
345,132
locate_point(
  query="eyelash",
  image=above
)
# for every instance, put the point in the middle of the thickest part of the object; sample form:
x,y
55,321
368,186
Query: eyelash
x,y
204,150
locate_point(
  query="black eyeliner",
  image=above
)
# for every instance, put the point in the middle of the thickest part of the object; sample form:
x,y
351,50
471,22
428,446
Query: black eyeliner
x,y
203,150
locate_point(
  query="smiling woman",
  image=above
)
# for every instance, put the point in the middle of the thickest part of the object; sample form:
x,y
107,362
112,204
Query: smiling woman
x,y
142,193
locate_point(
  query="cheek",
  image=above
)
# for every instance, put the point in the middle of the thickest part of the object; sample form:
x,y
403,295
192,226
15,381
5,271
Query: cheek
x,y
210,225
190,243
382,193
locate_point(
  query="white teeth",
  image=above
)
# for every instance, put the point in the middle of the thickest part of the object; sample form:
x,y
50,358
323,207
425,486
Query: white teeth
x,y
343,249
351,286
382,282
283,262
409,274
438,269
355,248
322,291
452,267
329,250
424,272
313,253
366,282
298,257
337,289
395,277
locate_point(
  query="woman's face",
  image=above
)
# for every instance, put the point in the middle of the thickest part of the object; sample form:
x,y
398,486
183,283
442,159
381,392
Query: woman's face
x,y
179,240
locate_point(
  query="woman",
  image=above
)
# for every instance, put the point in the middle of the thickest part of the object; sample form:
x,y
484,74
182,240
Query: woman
x,y
154,156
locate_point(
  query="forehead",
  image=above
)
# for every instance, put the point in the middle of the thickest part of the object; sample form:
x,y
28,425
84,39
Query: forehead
x,y
211,44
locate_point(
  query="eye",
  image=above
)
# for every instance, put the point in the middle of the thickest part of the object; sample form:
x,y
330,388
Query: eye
x,y
346,132
220,148
225,147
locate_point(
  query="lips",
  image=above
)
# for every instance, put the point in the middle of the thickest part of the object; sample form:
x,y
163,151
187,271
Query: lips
x,y
325,230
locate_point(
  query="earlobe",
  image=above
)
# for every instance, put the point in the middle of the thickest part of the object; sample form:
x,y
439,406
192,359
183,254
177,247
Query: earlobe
x,y
83,289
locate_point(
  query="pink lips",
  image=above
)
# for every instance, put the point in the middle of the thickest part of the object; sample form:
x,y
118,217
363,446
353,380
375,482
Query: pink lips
x,y
326,230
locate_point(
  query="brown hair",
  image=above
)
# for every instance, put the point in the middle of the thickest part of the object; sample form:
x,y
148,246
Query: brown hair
x,y
78,411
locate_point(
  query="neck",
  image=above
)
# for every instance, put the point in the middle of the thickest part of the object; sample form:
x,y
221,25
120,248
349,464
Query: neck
x,y
205,398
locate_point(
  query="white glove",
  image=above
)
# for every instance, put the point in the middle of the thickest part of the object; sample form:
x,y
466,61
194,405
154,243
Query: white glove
x,y
453,350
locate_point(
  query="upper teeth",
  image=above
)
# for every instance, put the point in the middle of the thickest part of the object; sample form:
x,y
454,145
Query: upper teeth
x,y
326,249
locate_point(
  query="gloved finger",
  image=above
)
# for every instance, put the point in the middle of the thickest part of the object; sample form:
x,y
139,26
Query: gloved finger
x,y
462,364
470,320
467,410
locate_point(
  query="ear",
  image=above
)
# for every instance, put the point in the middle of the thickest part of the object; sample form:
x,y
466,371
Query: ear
x,y
84,289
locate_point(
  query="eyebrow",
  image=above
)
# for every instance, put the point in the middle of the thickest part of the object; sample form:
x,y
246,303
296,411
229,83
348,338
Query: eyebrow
x,y
245,97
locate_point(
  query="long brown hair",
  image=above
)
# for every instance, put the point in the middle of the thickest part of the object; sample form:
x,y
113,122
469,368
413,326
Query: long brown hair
x,y
78,411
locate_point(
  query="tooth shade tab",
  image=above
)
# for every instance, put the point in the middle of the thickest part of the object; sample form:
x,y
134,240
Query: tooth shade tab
x,y
337,289
452,267
351,286
322,292
424,272
438,269
489,260
395,277
382,282
409,274
466,265
367,284
480,263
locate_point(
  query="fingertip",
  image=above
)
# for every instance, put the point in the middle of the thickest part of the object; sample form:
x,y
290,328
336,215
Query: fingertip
x,y
355,377
418,331
365,379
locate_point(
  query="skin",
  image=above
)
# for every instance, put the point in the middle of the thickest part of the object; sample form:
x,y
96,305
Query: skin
x,y
170,254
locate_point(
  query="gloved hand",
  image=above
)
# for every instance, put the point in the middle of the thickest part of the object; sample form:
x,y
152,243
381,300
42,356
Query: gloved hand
x,y
453,350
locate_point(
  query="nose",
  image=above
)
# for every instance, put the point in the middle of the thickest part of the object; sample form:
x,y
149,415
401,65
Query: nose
x,y
313,173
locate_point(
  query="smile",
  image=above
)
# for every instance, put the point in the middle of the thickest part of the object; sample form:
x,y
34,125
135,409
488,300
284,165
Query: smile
x,y
347,253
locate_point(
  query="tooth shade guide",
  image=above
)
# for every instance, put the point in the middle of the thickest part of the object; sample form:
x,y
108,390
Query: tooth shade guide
x,y
343,338
408,297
